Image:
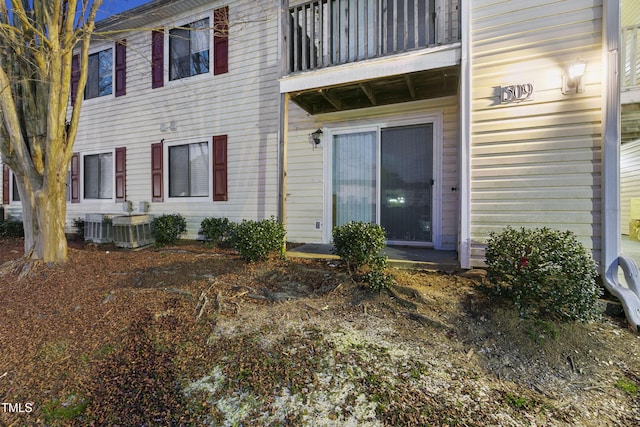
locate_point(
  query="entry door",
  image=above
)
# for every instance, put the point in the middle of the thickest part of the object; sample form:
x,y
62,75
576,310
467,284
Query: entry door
x,y
406,180
385,177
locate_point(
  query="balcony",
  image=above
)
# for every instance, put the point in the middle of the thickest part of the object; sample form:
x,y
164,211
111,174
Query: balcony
x,y
345,54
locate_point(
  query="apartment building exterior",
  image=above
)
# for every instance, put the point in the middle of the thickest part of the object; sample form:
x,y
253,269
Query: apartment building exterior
x,y
442,120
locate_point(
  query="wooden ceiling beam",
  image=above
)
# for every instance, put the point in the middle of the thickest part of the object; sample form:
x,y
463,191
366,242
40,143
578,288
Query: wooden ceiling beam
x,y
332,99
366,88
411,86
301,101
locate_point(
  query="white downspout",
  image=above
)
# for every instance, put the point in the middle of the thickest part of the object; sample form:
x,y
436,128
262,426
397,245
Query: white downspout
x,y
610,246
611,136
464,151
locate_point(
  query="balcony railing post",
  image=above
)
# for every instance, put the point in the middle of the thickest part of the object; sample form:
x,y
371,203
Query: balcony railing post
x,y
285,50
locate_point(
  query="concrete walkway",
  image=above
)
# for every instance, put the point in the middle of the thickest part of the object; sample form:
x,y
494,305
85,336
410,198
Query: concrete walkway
x,y
425,258
399,256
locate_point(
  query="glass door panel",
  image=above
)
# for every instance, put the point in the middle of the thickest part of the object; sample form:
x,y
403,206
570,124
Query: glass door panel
x,y
406,183
354,177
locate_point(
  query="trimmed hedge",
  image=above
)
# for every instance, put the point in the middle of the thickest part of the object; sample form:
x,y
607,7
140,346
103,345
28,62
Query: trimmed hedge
x,y
545,272
256,240
168,228
359,244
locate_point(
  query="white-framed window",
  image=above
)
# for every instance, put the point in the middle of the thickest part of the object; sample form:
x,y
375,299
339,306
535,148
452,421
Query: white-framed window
x,y
98,176
100,74
15,195
188,170
67,196
189,49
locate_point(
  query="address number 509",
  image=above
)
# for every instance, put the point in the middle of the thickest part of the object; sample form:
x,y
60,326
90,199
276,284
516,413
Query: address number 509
x,y
517,93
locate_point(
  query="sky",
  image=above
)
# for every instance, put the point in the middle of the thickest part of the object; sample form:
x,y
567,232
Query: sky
x,y
111,7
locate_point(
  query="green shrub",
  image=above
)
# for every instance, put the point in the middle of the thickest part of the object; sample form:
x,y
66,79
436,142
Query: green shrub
x,y
378,279
255,240
359,245
167,228
545,272
78,226
218,231
12,229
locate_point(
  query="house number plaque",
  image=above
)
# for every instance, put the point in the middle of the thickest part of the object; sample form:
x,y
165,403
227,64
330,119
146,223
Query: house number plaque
x,y
517,93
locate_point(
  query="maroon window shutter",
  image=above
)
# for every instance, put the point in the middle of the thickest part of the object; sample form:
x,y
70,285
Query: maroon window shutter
x,y
121,68
157,58
221,40
121,174
220,168
157,193
5,185
75,178
75,77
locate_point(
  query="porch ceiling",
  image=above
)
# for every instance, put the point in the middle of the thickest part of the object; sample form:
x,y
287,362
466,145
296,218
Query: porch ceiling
x,y
395,89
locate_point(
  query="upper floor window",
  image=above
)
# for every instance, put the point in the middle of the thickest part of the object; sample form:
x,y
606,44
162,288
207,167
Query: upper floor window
x,y
100,74
98,176
194,49
189,50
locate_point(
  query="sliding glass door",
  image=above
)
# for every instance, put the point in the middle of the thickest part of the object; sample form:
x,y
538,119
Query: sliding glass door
x,y
354,177
384,176
406,182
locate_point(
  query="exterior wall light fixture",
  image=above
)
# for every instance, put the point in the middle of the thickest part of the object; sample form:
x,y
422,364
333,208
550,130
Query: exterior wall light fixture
x,y
573,81
317,137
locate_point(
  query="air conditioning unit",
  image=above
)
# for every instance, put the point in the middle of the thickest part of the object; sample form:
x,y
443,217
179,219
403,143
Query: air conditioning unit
x,y
132,231
98,228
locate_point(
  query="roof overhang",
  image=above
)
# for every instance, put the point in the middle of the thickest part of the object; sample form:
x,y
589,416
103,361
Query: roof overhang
x,y
148,15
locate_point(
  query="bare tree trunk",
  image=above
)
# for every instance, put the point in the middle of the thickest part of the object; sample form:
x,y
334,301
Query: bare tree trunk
x,y
38,126
44,212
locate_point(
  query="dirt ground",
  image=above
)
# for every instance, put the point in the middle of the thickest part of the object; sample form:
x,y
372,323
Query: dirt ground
x,y
189,335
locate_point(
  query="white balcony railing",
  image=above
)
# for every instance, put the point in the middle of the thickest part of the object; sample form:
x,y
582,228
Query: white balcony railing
x,y
630,57
323,33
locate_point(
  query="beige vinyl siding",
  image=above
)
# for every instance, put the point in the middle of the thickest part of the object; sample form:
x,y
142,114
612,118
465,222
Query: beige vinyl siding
x,y
535,163
242,104
629,181
630,13
305,184
305,179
